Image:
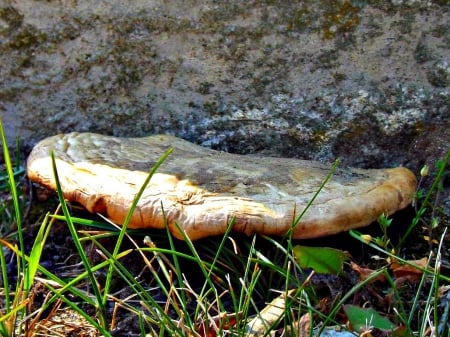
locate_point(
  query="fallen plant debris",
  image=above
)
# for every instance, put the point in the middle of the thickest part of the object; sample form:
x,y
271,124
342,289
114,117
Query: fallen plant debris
x,y
142,284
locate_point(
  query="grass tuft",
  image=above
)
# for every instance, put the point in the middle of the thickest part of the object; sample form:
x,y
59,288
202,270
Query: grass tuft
x,y
227,286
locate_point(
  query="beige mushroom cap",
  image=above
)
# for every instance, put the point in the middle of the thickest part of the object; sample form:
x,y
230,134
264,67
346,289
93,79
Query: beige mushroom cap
x,y
202,190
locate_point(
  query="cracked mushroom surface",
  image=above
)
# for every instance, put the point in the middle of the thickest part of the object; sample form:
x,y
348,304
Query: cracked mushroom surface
x,y
202,190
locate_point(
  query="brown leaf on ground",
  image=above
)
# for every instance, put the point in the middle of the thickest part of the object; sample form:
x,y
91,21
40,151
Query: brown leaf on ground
x,y
217,323
411,272
413,267
365,273
299,328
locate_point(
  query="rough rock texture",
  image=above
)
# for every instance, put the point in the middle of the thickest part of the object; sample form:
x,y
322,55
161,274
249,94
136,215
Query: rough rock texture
x,y
202,190
367,81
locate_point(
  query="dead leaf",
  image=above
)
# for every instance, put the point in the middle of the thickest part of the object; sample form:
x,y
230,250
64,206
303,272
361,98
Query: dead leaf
x,y
411,269
300,328
364,273
408,272
268,316
223,321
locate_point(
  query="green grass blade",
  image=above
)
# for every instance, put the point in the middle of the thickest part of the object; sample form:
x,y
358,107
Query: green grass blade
x,y
5,283
12,312
244,303
122,272
103,331
16,173
207,273
4,331
21,267
288,235
36,252
64,286
357,235
316,194
99,225
434,187
127,221
12,183
180,294
100,307
347,296
13,190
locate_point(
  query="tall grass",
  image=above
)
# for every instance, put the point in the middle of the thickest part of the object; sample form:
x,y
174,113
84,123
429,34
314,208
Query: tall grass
x,y
249,287
22,288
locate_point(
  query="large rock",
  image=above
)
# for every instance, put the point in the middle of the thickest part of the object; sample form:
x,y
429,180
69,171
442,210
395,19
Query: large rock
x,y
366,81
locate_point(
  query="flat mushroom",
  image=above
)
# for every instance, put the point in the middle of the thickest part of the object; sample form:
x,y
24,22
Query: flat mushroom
x,y
202,189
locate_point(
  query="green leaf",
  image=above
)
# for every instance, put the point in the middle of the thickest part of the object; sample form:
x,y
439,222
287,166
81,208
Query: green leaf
x,y
363,319
36,252
322,260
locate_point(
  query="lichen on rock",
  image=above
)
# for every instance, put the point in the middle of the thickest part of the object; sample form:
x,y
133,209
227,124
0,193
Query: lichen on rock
x,y
292,79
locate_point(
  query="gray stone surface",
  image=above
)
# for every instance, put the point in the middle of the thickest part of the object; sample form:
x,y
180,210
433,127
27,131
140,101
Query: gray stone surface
x,y
367,81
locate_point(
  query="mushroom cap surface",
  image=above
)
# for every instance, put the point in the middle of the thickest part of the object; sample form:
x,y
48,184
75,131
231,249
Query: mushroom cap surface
x,y
202,190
